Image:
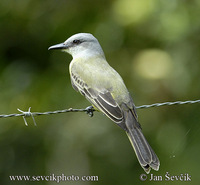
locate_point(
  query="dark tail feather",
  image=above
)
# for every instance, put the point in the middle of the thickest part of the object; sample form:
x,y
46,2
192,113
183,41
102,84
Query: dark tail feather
x,y
145,154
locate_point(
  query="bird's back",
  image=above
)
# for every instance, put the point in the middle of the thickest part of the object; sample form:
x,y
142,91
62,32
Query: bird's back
x,y
98,74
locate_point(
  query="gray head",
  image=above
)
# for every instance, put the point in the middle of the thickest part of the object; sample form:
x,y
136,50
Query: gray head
x,y
81,44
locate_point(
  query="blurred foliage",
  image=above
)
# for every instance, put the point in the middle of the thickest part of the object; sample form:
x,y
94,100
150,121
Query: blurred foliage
x,y
154,45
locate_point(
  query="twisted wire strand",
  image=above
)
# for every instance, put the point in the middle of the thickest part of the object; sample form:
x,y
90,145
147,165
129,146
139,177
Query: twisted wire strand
x,y
168,103
88,110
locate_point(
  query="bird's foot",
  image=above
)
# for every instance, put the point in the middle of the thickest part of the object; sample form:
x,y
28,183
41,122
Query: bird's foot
x,y
90,110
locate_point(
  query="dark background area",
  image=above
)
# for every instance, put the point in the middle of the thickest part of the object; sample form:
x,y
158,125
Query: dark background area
x,y
154,45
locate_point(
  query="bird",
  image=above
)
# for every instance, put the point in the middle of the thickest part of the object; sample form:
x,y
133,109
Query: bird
x,y
104,88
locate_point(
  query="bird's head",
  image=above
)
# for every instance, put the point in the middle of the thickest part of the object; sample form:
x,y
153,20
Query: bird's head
x,y
84,44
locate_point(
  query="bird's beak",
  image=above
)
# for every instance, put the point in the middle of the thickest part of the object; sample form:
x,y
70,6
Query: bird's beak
x,y
58,46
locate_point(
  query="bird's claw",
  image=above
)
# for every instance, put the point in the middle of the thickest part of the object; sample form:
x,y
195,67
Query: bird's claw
x,y
90,110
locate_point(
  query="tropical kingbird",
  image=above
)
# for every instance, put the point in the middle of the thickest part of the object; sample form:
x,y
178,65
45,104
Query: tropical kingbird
x,y
104,88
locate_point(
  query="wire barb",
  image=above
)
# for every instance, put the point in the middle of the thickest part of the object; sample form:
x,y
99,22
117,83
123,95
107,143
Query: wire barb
x,y
27,114
89,110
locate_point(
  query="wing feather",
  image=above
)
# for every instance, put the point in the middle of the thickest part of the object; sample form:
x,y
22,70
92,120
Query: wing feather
x,y
102,100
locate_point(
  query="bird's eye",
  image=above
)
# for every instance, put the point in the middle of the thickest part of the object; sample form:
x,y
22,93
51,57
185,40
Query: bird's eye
x,y
76,41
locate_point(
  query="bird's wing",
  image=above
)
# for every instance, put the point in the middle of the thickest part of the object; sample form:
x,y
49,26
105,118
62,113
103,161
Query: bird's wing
x,y
102,100
105,103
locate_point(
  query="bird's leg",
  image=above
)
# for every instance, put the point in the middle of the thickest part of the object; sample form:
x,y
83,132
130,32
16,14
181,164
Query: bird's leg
x,y
90,110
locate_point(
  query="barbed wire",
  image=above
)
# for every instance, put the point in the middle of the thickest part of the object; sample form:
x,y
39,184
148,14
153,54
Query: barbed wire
x,y
89,110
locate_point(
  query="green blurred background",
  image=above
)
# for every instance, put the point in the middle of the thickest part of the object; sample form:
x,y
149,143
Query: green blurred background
x,y
153,44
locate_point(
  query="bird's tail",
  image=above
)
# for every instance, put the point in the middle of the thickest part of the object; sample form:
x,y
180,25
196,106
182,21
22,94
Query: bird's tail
x,y
145,154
